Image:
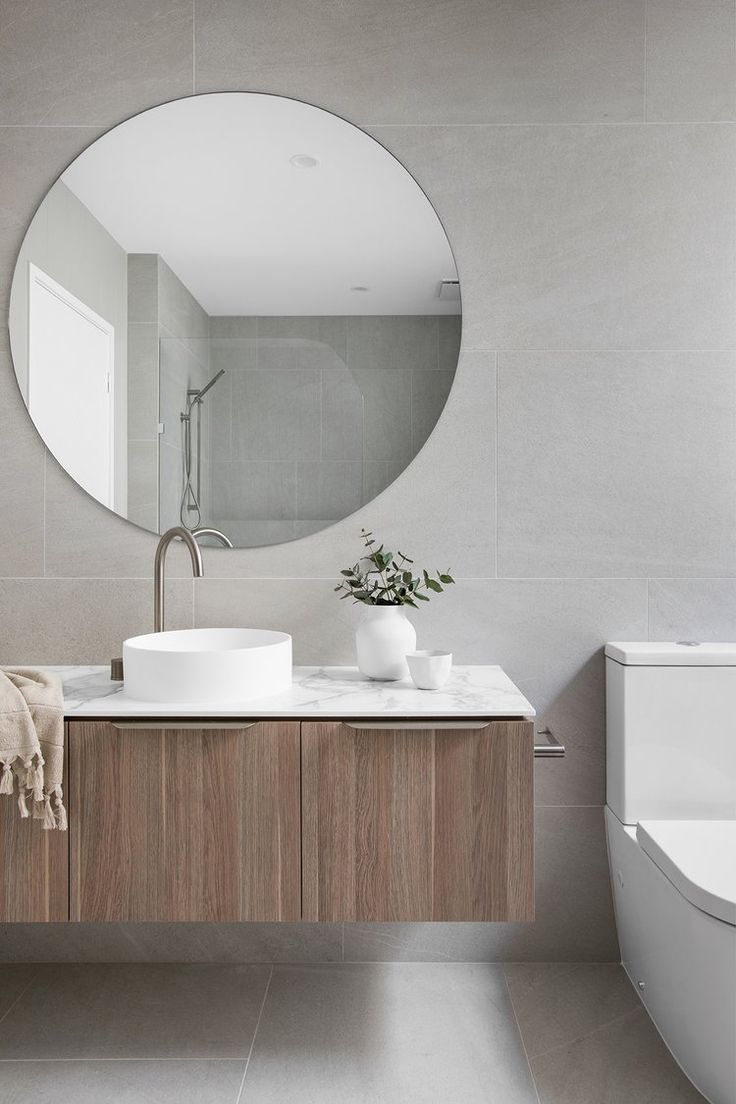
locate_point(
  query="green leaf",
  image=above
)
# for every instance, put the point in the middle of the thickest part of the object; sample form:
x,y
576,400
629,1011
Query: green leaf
x,y
406,576
405,557
434,585
347,572
446,579
421,597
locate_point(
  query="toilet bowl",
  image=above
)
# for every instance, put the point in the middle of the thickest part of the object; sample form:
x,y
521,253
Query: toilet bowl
x,y
671,830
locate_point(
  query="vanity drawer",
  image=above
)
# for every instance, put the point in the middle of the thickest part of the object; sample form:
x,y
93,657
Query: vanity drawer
x,y
415,823
185,823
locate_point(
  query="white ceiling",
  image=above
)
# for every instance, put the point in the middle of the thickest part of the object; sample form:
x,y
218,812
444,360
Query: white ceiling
x,y
207,183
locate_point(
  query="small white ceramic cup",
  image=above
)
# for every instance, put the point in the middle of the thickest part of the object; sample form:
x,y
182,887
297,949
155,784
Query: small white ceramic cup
x,y
429,670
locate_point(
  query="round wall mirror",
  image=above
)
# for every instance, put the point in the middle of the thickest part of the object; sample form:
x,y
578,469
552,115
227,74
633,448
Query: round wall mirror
x,y
235,311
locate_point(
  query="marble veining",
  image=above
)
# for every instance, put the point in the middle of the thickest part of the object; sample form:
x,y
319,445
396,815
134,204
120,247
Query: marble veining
x,y
477,691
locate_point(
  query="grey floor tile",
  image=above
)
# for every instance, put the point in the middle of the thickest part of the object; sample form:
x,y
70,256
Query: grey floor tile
x,y
14,980
625,1062
388,1034
555,1004
120,1082
137,1012
479,61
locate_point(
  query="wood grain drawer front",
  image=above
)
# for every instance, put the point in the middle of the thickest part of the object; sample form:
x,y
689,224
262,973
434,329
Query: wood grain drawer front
x,y
34,867
418,824
185,824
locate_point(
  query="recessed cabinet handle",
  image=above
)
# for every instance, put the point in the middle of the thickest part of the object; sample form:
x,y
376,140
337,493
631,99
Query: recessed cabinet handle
x,y
177,726
551,749
410,726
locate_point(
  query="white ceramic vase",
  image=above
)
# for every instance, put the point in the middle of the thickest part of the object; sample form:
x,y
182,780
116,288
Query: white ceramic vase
x,y
382,640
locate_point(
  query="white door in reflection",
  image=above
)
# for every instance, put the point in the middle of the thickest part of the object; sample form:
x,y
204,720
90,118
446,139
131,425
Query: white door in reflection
x,y
71,352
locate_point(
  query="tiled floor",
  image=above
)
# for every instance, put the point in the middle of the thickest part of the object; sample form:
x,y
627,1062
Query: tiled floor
x,y
350,1033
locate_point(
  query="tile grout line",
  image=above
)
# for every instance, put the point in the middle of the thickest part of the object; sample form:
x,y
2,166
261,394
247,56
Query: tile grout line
x,y
497,512
646,62
194,47
240,1097
22,993
45,469
521,1035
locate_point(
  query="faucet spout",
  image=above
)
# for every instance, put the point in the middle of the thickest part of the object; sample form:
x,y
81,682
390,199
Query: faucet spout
x,y
215,534
177,533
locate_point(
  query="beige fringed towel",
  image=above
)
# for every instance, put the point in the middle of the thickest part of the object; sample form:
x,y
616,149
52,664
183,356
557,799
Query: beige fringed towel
x,y
32,742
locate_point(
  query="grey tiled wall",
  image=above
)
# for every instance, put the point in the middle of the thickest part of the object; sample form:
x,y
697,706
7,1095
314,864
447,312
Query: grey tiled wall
x,y
317,415
580,482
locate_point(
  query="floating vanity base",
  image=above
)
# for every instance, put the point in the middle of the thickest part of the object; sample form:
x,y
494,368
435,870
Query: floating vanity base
x,y
389,818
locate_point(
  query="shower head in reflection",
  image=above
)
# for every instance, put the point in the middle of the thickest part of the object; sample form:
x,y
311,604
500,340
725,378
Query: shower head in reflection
x,y
197,396
190,510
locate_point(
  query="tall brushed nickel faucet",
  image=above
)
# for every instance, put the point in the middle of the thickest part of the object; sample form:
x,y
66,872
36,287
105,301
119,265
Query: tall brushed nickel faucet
x,y
178,531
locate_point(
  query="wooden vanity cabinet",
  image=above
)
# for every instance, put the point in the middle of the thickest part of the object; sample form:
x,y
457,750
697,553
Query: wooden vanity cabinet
x,y
34,867
277,820
416,823
184,823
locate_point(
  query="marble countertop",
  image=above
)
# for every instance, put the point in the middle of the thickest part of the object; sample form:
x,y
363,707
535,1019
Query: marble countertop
x,y
316,692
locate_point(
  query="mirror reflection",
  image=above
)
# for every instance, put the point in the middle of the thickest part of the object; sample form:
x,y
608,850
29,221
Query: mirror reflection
x,y
238,312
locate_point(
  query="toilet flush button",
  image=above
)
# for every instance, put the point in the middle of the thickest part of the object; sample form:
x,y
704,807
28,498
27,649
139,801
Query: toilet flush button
x,y
688,643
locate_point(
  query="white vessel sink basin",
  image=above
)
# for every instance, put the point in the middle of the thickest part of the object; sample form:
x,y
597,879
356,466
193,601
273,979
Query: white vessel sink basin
x,y
207,665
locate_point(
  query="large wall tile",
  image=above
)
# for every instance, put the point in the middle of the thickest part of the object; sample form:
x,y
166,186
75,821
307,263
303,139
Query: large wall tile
x,y
71,63
276,415
21,482
249,490
31,158
480,61
692,609
328,489
440,508
81,620
393,341
691,60
85,539
585,237
322,626
616,464
573,907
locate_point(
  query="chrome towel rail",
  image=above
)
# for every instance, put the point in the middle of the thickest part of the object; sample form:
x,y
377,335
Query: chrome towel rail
x,y
551,748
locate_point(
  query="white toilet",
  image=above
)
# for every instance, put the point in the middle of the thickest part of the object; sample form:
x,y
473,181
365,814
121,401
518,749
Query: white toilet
x,y
671,827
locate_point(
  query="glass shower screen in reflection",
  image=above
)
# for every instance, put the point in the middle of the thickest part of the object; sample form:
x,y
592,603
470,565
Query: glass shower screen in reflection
x,y
235,311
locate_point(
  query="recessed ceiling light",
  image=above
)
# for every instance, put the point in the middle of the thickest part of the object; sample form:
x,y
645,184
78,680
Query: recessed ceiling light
x,y
303,161
359,287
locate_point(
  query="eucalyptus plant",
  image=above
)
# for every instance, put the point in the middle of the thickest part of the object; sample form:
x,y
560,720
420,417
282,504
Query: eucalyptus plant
x,y
382,578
